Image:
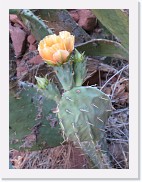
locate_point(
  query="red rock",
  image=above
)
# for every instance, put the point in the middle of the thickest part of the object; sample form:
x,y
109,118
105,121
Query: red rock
x,y
14,19
74,15
31,39
32,47
87,20
18,37
36,60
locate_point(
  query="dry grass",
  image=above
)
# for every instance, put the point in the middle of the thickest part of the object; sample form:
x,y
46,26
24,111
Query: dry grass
x,y
117,131
61,157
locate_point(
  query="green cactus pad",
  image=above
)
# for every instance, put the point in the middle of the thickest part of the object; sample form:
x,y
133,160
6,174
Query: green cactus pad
x,y
80,73
65,74
52,92
32,125
117,22
83,112
103,47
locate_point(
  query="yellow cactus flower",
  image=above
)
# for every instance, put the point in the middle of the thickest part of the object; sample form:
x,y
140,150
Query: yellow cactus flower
x,y
55,49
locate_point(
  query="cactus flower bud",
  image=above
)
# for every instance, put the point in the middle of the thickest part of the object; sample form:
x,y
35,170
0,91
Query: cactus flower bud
x,y
42,82
78,57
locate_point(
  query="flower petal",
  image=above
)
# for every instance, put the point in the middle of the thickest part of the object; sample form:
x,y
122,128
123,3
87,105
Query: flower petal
x,y
60,56
64,34
69,43
46,53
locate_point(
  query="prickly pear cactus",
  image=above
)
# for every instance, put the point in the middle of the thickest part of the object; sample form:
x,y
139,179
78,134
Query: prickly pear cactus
x,y
32,125
83,112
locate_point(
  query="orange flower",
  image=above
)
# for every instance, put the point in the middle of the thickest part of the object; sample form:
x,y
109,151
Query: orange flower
x,y
55,49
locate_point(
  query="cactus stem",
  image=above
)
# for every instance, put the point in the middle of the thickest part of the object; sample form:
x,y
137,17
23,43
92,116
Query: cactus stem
x,y
69,111
100,119
94,105
69,99
83,110
103,98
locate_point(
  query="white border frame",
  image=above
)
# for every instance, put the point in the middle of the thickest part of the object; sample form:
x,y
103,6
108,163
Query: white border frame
x,y
133,171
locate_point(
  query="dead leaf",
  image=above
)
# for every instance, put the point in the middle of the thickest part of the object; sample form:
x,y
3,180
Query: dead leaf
x,y
118,89
124,98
